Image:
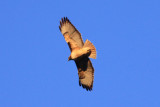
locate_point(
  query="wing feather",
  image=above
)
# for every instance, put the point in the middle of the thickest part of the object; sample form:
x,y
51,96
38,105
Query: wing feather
x,y
67,27
85,72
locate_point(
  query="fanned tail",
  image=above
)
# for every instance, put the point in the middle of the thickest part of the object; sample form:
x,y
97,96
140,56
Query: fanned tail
x,y
92,48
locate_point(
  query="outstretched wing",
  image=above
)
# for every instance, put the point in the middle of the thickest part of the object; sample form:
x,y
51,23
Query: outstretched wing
x,y
85,72
70,33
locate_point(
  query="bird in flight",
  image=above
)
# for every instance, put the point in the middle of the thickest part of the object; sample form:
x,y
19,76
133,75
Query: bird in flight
x,y
80,53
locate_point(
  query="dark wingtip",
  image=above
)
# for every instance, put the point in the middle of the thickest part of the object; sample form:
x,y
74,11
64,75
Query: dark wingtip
x,y
67,19
88,88
63,21
59,27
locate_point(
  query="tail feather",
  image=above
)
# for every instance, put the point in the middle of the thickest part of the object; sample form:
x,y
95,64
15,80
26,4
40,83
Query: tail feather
x,y
92,48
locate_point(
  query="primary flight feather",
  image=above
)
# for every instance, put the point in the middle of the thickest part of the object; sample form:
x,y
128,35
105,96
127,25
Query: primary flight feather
x,y
80,53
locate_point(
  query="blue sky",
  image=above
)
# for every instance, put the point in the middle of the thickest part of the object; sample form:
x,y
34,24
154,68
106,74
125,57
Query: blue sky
x,y
34,71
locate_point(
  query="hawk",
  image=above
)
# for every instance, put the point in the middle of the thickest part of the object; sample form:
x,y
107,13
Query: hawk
x,y
80,53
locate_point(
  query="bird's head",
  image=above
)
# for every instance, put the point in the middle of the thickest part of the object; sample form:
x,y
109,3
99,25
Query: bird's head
x,y
69,58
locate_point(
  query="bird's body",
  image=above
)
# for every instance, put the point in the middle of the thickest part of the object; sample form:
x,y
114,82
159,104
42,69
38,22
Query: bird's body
x,y
80,53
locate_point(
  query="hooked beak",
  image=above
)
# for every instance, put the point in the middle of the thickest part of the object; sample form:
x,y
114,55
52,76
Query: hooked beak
x,y
69,58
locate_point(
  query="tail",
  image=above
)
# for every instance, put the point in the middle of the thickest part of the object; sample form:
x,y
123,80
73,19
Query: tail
x,y
92,48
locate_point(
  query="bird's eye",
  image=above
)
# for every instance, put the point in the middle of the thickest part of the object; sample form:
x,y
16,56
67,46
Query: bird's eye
x,y
87,50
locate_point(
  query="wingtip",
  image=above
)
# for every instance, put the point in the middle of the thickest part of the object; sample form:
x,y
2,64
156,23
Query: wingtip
x,y
60,28
63,21
88,88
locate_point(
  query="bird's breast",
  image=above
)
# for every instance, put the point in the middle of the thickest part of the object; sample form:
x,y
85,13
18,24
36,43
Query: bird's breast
x,y
77,53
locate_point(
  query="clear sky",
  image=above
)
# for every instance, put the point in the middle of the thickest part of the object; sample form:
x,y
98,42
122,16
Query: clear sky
x,y
34,71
